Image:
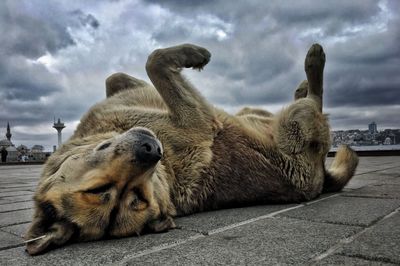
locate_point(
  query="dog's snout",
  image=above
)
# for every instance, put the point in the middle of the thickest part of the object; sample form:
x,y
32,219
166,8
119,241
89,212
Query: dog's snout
x,y
149,151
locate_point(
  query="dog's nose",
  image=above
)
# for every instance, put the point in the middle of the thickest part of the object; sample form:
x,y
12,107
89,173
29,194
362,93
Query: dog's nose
x,y
149,151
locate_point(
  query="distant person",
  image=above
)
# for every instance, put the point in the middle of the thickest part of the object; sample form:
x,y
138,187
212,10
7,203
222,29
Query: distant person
x,y
4,154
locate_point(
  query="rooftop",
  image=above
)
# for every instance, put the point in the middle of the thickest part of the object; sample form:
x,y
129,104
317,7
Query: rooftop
x,y
359,226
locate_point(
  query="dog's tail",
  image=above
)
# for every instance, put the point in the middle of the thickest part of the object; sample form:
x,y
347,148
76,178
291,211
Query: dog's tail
x,y
342,169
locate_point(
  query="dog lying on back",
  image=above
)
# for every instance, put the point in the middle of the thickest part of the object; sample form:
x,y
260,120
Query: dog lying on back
x,y
147,154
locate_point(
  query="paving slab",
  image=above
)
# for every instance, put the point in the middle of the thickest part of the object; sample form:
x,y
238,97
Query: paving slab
x,y
354,261
8,240
208,221
104,252
13,183
15,193
7,200
376,191
17,186
363,181
368,164
382,242
373,178
346,210
234,236
16,217
28,188
265,242
16,206
17,230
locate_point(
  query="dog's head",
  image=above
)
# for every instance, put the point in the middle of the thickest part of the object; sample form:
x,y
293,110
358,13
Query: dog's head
x,y
108,185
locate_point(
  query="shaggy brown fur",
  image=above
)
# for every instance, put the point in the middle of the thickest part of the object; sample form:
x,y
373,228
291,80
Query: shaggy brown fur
x,y
109,179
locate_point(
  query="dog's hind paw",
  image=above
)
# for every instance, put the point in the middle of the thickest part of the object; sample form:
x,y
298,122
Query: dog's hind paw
x,y
315,60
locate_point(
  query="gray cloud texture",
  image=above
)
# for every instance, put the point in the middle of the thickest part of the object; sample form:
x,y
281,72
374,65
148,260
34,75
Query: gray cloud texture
x,y
56,56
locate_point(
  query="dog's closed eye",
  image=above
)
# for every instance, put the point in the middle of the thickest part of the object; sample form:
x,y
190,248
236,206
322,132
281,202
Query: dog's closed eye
x,y
99,189
104,146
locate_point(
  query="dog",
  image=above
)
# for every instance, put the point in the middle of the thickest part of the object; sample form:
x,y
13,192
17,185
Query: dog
x,y
147,154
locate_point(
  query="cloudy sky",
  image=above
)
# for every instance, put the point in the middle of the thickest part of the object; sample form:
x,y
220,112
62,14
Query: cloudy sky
x,y
55,56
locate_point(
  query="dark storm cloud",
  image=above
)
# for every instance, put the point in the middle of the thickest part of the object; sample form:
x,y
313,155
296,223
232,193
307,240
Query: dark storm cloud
x,y
23,81
28,89
27,35
268,41
308,12
365,70
262,61
55,56
86,19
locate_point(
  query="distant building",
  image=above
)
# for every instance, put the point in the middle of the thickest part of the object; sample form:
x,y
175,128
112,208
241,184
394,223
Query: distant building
x,y
37,153
387,141
22,153
6,144
372,128
22,149
37,148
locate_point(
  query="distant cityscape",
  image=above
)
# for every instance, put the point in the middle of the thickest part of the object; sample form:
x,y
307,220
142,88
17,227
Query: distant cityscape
x,y
371,138
11,153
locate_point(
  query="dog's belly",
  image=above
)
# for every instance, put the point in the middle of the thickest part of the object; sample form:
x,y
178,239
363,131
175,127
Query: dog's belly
x,y
243,176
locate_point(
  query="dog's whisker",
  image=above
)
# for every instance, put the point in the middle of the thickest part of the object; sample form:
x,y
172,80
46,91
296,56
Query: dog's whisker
x,y
34,239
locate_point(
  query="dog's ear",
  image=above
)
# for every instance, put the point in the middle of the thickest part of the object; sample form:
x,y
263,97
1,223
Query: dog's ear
x,y
47,230
161,224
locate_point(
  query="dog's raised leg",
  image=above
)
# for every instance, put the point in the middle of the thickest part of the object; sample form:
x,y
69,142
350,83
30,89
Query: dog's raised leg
x,y
118,82
186,106
302,126
314,67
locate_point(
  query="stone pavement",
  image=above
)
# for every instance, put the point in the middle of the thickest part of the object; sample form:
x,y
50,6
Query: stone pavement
x,y
359,226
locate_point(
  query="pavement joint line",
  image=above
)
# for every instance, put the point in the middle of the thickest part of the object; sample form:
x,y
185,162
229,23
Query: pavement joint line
x,y
193,230
17,186
374,171
21,236
25,222
321,199
371,258
1,230
252,220
19,201
9,191
27,194
15,210
349,239
12,246
326,222
370,197
159,248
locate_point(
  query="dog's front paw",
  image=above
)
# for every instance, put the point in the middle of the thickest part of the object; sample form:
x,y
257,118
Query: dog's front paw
x,y
193,56
315,60
185,55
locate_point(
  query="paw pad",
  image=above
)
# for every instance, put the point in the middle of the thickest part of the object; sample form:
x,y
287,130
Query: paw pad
x,y
315,59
